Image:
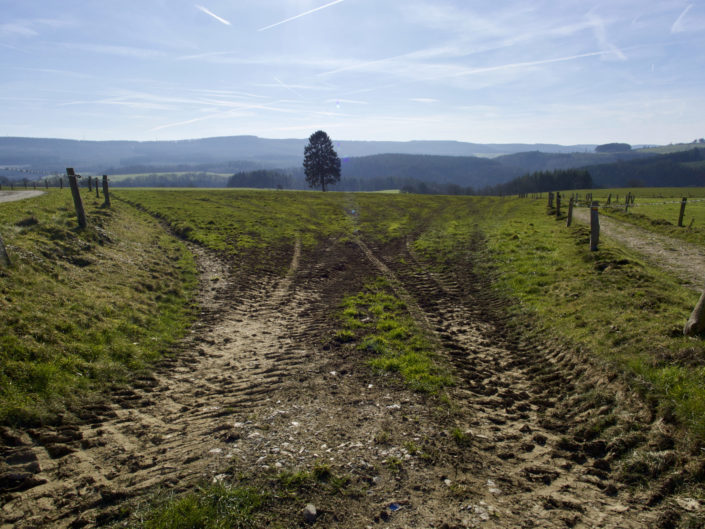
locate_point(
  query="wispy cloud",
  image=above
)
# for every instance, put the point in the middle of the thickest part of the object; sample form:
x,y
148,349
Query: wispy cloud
x,y
22,30
600,30
348,101
677,26
123,51
423,100
210,13
300,15
284,85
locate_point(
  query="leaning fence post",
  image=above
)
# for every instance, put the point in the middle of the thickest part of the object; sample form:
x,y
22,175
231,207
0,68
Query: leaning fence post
x,y
680,215
106,192
696,322
594,226
4,258
570,214
77,202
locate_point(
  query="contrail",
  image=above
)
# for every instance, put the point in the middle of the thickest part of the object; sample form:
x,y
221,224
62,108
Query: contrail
x,y
677,26
301,15
288,87
210,13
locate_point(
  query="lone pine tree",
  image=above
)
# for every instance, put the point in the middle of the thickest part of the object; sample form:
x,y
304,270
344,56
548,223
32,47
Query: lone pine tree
x,y
321,162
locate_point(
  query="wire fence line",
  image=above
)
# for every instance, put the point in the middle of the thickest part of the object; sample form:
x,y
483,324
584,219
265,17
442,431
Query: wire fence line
x,y
640,204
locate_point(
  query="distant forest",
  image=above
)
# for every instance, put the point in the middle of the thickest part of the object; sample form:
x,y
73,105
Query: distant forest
x,y
524,172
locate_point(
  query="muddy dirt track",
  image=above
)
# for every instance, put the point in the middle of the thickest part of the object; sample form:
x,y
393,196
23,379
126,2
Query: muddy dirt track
x,y
682,259
11,196
260,387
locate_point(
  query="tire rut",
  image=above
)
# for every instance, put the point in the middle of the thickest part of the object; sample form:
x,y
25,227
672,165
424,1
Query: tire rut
x,y
168,429
506,391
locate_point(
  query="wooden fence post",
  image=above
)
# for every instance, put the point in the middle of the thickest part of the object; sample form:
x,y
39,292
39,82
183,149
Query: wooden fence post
x,y
46,183
4,258
550,199
609,199
558,204
570,214
97,194
77,202
696,322
90,184
680,215
594,226
106,191
61,182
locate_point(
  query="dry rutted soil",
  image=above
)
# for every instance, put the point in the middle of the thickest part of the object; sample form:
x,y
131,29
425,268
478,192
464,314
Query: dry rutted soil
x,y
260,388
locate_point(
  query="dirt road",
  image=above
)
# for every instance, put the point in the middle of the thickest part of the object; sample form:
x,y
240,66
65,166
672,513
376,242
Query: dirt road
x,y
11,196
260,387
684,260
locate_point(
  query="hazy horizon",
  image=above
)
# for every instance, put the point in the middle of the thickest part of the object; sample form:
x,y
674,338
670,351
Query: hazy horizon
x,y
566,74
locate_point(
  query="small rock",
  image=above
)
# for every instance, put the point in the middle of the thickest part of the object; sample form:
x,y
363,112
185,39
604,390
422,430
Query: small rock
x,y
310,513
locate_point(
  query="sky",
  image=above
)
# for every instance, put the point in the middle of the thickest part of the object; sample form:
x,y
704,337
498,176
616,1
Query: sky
x,y
508,71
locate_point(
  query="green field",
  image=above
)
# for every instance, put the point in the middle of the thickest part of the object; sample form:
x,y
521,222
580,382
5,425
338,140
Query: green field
x,y
60,336
657,209
667,149
90,308
120,177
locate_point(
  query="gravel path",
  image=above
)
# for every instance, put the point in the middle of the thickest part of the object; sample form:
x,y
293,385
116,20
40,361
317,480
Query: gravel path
x,y
11,196
683,259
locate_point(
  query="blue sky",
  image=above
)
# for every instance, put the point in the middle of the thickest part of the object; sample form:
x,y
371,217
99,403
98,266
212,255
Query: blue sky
x,y
564,72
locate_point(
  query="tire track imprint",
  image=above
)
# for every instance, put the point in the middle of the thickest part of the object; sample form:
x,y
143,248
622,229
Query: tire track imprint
x,y
168,428
508,390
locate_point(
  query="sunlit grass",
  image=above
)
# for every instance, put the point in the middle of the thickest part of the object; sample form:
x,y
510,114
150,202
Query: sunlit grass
x,y
82,308
380,324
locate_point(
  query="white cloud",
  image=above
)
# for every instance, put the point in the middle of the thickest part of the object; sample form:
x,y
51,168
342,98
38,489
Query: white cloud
x,y
122,51
22,30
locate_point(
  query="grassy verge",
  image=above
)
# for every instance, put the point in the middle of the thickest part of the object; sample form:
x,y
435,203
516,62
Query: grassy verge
x,y
83,307
269,500
657,209
608,303
377,322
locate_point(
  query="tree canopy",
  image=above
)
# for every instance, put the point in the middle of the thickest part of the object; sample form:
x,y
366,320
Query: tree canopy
x,y
321,162
613,147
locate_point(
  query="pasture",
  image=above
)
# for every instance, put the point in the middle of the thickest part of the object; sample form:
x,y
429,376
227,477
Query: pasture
x,y
446,330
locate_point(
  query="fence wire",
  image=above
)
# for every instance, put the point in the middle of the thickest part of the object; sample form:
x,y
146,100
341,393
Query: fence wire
x,y
636,205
